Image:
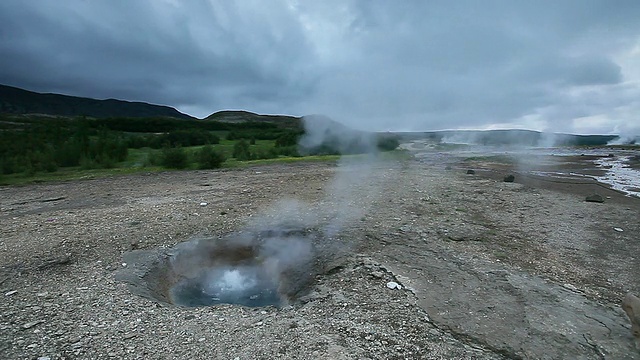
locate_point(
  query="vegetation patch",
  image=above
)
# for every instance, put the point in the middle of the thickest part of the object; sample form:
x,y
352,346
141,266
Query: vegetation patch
x,y
44,148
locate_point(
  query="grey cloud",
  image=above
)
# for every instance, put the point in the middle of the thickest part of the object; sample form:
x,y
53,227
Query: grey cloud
x,y
376,65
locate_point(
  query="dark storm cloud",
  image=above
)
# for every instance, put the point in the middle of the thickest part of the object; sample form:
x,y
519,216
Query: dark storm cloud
x,y
150,51
411,65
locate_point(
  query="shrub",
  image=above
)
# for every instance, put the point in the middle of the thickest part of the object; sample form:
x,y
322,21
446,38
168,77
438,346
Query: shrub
x,y
153,158
288,139
208,158
87,163
69,153
7,165
285,151
388,143
41,161
241,150
175,158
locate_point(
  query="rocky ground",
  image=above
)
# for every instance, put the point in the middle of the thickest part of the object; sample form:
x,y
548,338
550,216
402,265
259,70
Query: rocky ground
x,y
488,269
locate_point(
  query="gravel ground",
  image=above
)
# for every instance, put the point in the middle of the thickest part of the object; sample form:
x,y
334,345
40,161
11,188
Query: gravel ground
x,y
489,270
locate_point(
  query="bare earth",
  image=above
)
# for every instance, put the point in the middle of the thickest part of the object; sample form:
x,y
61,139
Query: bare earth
x,y
490,270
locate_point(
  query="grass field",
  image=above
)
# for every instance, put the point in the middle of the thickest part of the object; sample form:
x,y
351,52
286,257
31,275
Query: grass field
x,y
146,159
138,162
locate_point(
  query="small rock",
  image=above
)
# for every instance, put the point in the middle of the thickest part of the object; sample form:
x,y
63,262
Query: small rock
x,y
129,336
10,292
377,274
594,198
509,178
394,285
44,358
618,229
570,287
471,171
32,324
203,204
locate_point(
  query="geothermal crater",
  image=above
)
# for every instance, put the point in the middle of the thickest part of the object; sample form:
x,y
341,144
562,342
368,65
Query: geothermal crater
x,y
252,268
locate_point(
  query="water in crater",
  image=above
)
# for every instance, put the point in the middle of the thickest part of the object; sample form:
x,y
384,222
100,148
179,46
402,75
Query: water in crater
x,y
246,285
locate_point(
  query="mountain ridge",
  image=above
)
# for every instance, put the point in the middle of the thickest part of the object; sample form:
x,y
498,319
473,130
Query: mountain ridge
x,y
17,101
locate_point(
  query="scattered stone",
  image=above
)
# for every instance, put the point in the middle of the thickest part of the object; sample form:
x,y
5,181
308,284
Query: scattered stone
x,y
509,178
457,238
394,285
223,213
203,204
595,198
377,274
31,324
10,292
618,229
55,261
129,336
44,358
471,171
631,306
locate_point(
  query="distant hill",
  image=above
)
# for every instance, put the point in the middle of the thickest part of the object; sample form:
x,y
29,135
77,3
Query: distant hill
x,y
237,117
19,101
509,138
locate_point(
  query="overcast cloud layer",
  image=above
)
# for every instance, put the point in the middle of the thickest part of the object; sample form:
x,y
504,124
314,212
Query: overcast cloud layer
x,y
564,66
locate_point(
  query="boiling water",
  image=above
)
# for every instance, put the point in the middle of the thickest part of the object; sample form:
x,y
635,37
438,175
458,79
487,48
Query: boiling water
x,y
241,285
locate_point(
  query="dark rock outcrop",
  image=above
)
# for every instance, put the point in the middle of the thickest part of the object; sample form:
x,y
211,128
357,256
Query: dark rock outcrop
x,y
595,198
509,178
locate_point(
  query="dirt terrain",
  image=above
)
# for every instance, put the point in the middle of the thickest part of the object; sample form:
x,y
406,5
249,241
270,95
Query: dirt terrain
x,y
488,269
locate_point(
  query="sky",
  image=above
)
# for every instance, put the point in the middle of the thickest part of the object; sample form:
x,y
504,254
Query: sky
x,y
569,66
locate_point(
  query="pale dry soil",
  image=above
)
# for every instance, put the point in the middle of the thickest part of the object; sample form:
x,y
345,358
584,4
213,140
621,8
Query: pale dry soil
x,y
490,270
